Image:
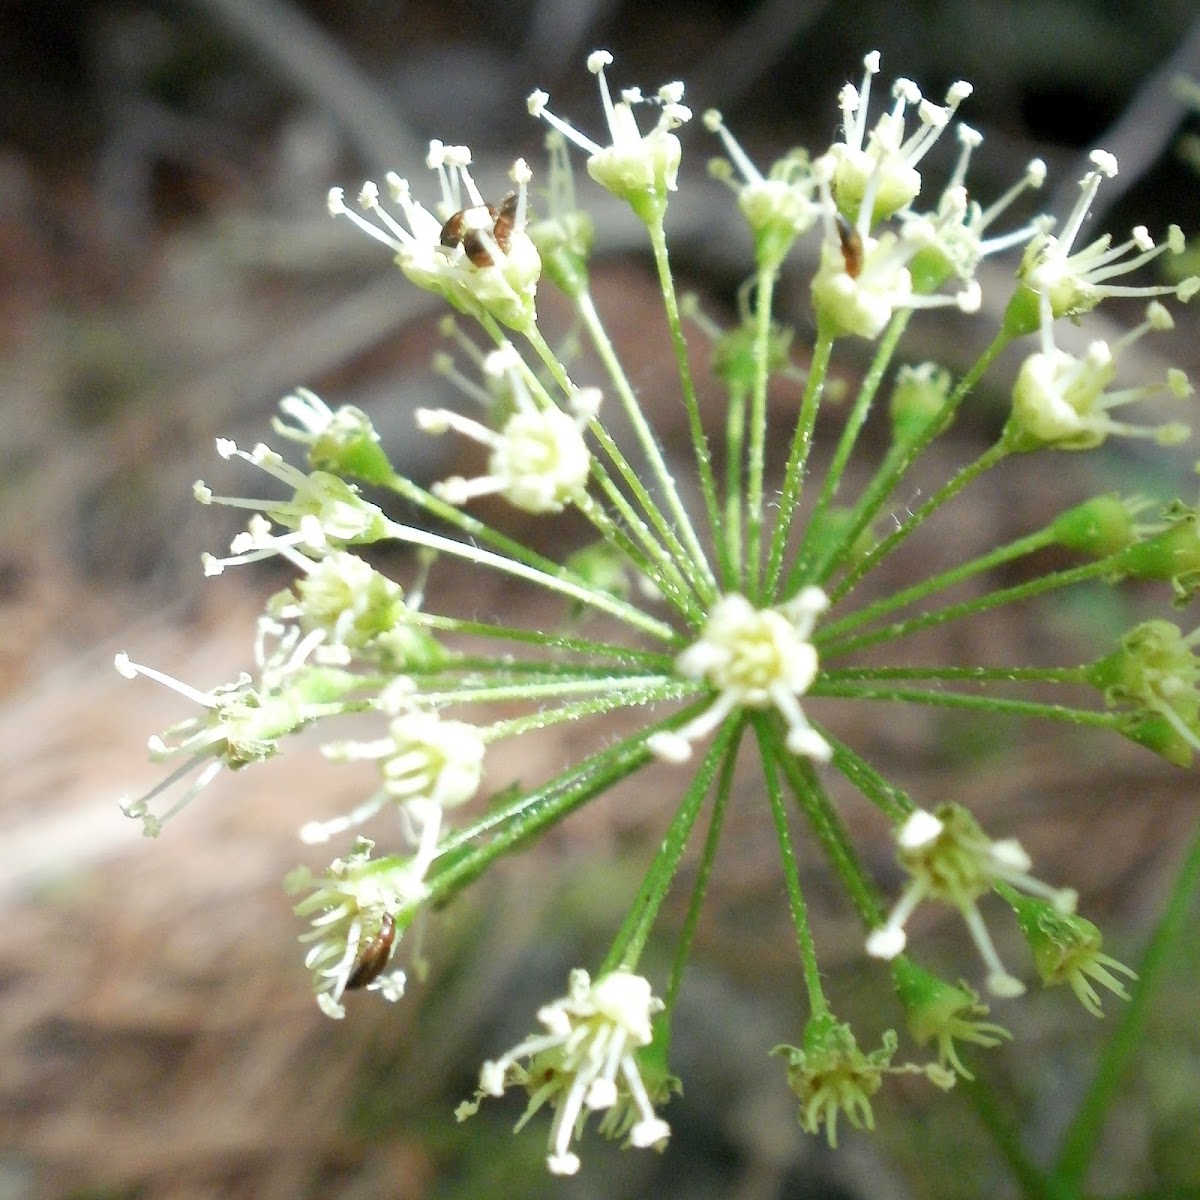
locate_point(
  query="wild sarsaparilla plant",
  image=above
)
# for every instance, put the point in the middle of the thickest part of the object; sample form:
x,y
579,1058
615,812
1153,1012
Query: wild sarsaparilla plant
x,y
723,617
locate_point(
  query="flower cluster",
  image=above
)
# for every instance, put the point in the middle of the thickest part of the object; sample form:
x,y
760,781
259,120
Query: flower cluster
x,y
729,602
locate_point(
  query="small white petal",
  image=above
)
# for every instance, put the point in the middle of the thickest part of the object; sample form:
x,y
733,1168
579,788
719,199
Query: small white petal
x,y
919,830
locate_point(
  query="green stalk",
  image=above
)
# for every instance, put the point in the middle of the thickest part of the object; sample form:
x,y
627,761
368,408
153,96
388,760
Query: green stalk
x,y
631,938
517,821
968,608
716,822
976,674
701,573
708,487
764,291
793,474
825,823
898,461
990,704
735,448
947,579
557,580
889,799
669,553
966,475
545,718
845,447
817,1003
507,547
653,688
606,652
1176,924
473,528
656,563
471,669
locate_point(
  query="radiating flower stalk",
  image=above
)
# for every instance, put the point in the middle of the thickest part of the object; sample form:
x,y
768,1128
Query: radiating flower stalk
x,y
731,623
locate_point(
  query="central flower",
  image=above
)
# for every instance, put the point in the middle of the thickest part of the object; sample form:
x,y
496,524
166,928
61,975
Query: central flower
x,y
754,658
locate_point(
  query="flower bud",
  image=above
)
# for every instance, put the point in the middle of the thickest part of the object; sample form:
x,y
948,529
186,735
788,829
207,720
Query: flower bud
x,y
1097,527
1066,949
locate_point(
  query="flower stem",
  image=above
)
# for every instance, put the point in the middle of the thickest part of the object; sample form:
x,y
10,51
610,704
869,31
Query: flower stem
x,y
656,563
605,654
514,822
841,457
893,802
823,819
936,583
619,691
966,475
976,674
968,608
735,448
818,1005
764,291
897,463
669,554
555,580
992,704
1176,924
631,938
793,474
708,856
708,487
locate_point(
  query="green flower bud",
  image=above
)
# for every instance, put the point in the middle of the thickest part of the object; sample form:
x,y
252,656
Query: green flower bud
x,y
565,245
831,1075
1097,527
919,397
602,567
1066,949
349,445
734,356
1172,554
1155,669
1158,735
937,1010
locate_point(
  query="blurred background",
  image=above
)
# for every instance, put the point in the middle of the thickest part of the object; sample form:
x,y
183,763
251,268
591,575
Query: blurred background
x,y
167,272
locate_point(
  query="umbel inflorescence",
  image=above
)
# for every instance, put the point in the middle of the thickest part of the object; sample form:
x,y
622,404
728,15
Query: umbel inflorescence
x,y
730,614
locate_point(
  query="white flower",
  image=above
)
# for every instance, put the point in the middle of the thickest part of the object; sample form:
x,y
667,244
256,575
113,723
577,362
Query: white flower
x,y
1060,400
876,170
355,610
640,168
353,909
1069,283
539,460
477,255
959,223
779,207
949,858
341,440
753,658
241,723
585,1061
323,510
428,765
862,280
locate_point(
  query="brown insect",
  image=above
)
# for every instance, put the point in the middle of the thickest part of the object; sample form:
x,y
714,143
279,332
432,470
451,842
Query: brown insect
x,y
456,232
373,956
852,247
